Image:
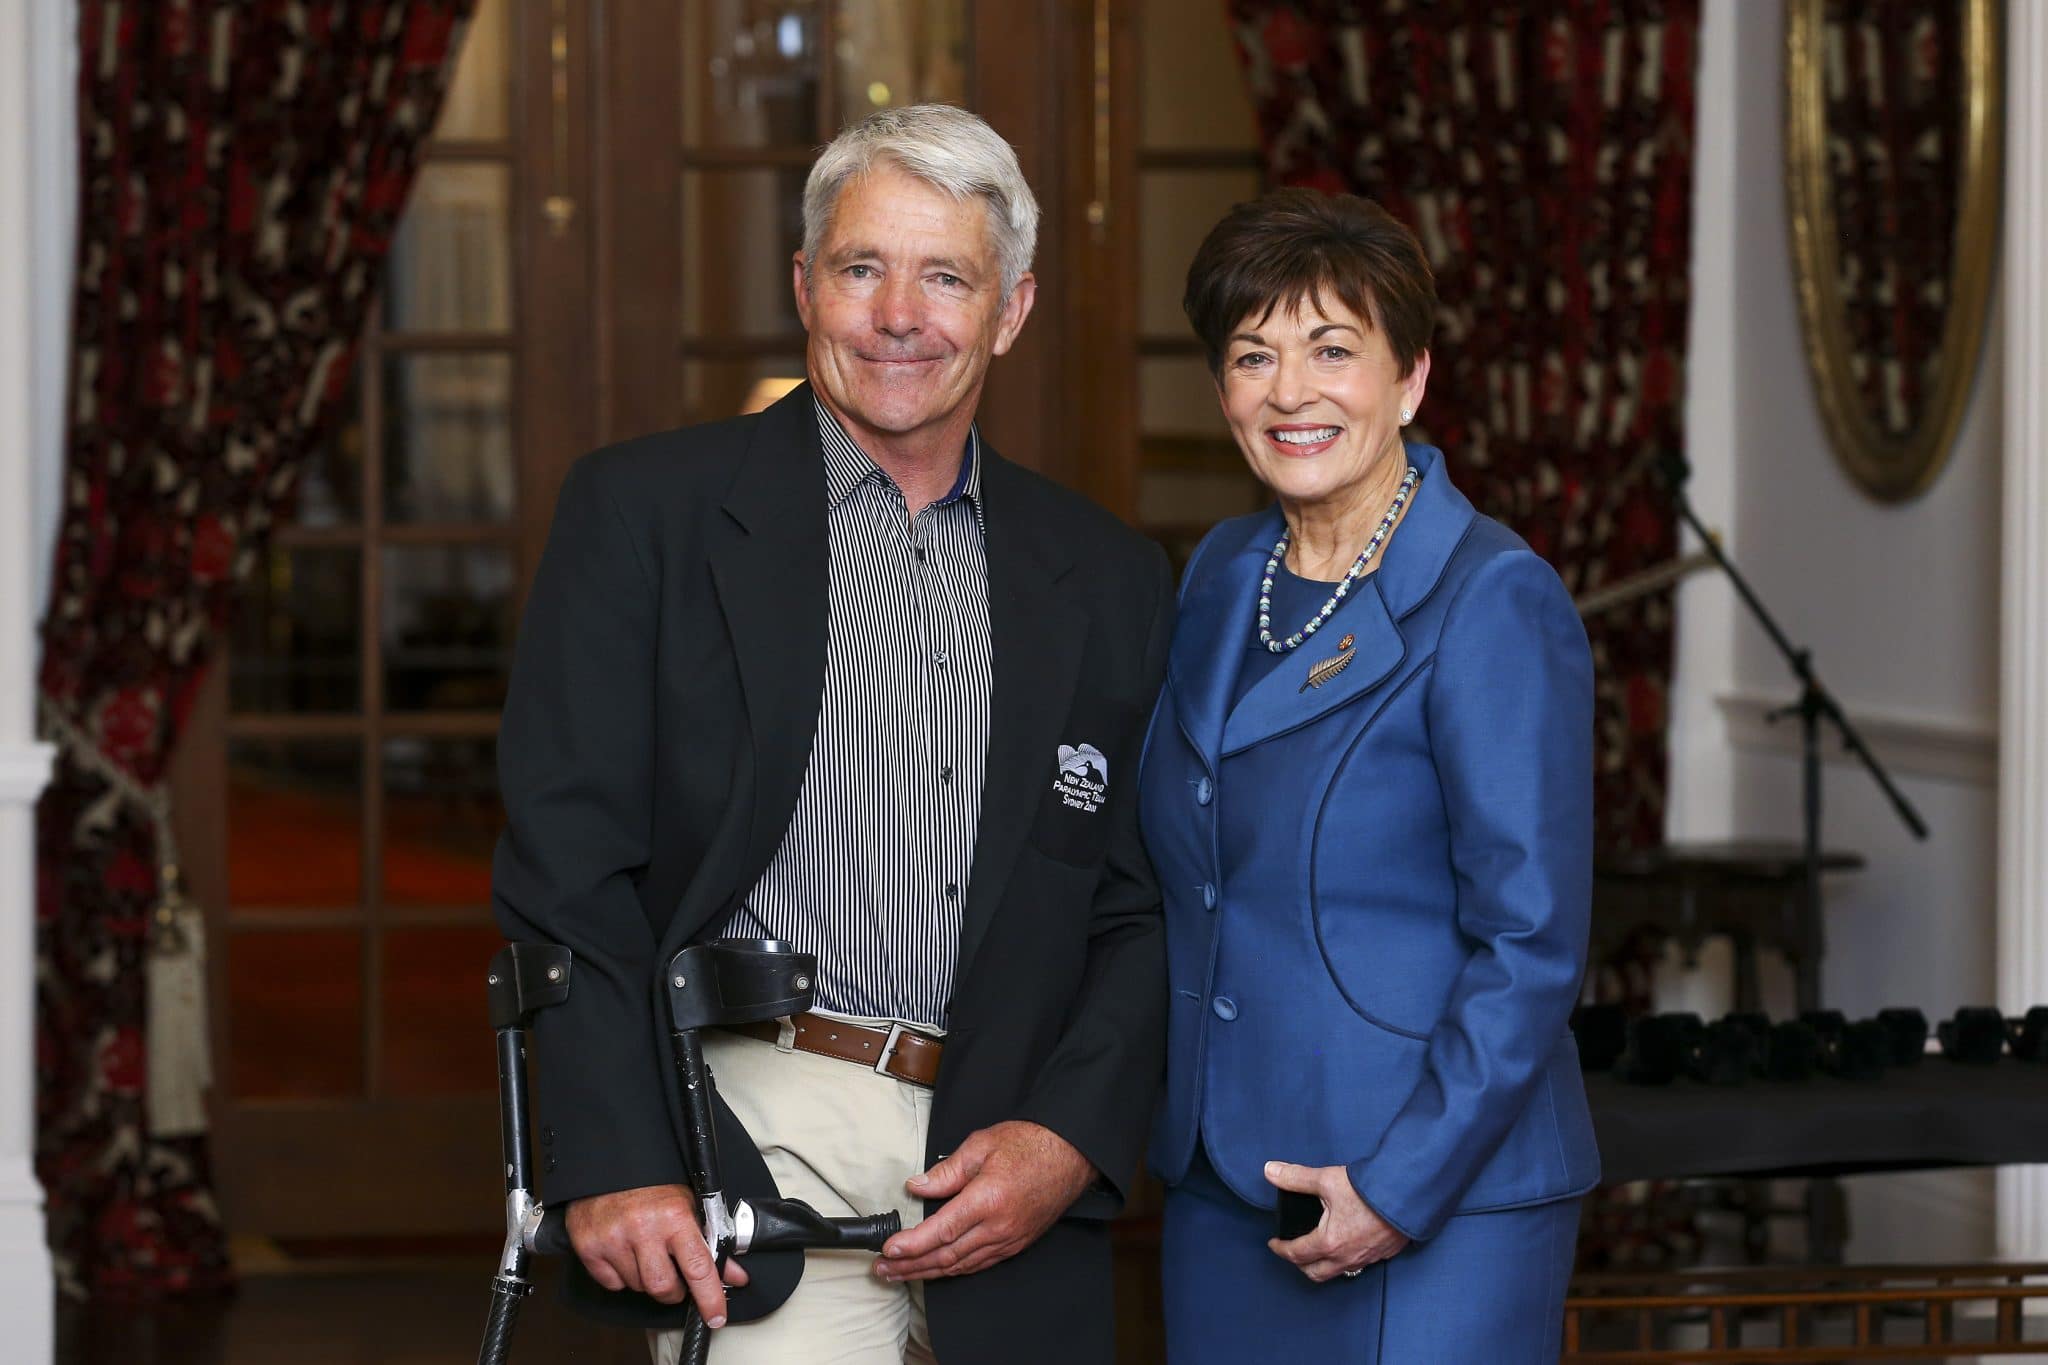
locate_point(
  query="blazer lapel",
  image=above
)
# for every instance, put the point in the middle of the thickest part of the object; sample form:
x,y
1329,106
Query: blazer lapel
x,y
1217,616
770,565
1437,522
1283,699
1035,643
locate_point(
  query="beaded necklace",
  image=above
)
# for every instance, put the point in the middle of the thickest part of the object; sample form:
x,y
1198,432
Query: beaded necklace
x,y
1351,576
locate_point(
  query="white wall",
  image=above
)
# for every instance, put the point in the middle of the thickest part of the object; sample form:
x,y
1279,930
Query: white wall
x,y
36,146
1898,602
53,153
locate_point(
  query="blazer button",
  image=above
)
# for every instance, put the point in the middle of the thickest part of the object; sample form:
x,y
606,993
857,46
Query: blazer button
x,y
1225,1007
550,1163
1205,792
1208,895
547,1136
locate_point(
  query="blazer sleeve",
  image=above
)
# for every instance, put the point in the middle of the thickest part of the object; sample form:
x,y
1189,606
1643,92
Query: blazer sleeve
x,y
575,770
1097,1087
1510,715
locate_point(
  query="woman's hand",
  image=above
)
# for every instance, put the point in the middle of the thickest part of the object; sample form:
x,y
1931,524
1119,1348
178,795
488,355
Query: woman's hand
x,y
1350,1237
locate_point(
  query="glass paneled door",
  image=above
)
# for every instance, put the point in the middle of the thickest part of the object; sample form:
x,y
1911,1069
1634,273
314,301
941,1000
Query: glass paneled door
x,y
597,246
341,771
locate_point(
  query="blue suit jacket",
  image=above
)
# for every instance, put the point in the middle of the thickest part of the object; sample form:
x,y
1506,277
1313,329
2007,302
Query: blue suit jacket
x,y
1377,890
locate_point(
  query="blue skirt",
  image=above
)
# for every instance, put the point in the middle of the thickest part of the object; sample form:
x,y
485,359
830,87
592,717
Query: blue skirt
x,y
1487,1290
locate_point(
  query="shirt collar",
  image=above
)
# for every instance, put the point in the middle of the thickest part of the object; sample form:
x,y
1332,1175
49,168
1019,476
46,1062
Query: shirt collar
x,y
847,466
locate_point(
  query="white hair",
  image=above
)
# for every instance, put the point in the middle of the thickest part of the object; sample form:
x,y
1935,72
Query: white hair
x,y
947,148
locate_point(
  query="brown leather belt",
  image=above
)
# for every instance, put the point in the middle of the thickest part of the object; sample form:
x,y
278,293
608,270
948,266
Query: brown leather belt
x,y
894,1051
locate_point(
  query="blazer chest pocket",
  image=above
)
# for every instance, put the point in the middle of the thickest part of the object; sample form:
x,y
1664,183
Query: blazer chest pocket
x,y
1084,780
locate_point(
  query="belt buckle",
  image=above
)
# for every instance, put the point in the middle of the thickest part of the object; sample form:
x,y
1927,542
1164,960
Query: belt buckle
x,y
889,1046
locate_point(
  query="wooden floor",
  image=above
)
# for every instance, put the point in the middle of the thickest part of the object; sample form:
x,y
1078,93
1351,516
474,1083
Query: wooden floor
x,y
296,1309
406,1314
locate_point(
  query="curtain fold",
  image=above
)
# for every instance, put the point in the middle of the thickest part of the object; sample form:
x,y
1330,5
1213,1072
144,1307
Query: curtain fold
x,y
1892,77
1543,153
242,167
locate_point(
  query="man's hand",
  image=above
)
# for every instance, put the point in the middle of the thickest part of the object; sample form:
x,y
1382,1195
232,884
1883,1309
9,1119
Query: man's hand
x,y
1350,1237
1005,1186
636,1239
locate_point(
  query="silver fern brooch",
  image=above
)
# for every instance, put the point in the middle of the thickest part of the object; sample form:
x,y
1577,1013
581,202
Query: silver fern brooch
x,y
1331,667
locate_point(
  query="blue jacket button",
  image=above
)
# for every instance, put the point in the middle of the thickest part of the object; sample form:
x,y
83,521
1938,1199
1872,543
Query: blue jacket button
x,y
1208,895
1225,1007
1205,791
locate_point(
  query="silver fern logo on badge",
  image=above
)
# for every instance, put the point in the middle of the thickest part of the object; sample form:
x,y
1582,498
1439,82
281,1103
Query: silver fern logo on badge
x,y
1083,779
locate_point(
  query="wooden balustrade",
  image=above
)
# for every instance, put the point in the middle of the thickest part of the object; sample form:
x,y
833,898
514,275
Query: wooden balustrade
x,y
1807,1313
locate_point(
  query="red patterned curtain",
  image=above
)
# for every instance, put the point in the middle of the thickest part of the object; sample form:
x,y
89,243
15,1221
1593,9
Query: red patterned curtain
x,y
1543,153
1893,72
242,168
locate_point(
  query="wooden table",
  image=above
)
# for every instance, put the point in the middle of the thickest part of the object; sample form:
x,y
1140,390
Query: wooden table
x,y
1753,891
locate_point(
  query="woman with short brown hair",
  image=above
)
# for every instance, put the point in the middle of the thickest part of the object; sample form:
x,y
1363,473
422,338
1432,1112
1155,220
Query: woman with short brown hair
x,y
1368,794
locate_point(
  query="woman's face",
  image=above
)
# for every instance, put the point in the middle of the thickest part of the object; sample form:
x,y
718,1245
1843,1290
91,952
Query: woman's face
x,y
1314,396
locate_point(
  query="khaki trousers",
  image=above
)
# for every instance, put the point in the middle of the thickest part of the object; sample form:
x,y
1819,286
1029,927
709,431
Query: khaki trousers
x,y
842,1139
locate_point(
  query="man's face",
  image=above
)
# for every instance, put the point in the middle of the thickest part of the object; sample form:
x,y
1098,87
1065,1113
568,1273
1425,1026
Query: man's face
x,y
904,306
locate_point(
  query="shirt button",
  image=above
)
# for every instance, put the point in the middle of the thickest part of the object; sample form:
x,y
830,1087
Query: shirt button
x,y
1208,895
918,550
1205,792
946,774
952,891
1225,1008
939,658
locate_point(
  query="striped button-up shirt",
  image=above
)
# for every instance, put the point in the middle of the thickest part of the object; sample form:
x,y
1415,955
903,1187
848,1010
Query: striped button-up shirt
x,y
873,869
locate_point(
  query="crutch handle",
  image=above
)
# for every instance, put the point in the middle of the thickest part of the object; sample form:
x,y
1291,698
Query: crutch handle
x,y
792,1225
551,1238
766,1225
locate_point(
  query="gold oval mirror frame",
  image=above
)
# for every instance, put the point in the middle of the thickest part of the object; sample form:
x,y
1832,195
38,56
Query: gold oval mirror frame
x,y
1891,466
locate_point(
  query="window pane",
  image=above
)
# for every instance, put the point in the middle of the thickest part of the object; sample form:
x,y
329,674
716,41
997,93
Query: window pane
x,y
295,1014
297,633
1176,397
441,820
739,229
434,1043
448,438
331,484
750,74
295,824
894,52
447,626
1194,90
479,96
1176,209
726,388
450,268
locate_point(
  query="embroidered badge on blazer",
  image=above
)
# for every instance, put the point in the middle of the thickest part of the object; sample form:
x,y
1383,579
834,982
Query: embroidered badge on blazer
x,y
1331,667
1083,778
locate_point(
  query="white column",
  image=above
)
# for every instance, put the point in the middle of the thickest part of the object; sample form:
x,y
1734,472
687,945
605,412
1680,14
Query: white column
x,y
2023,703
25,1282
1700,800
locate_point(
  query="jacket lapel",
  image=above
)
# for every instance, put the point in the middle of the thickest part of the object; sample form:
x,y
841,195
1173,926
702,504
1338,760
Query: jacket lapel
x,y
769,563
1283,699
1438,520
1218,613
1035,641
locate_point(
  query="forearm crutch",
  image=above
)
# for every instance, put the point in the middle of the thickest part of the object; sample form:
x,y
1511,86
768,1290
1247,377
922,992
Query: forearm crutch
x,y
709,985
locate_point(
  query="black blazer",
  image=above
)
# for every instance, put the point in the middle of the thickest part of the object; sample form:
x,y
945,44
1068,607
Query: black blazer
x,y
663,701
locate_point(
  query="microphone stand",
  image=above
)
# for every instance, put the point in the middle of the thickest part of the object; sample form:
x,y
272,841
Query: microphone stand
x,y
1815,704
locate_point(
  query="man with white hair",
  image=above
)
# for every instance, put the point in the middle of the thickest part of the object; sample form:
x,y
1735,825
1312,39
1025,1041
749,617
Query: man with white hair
x,y
839,674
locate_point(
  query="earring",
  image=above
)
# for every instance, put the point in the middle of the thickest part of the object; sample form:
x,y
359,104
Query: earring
x,y
1407,416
